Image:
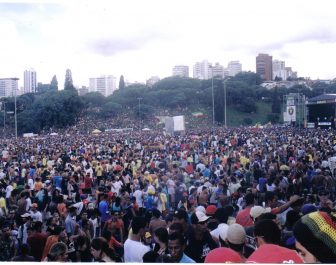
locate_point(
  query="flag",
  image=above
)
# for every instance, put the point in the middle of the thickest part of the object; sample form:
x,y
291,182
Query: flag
x,y
197,114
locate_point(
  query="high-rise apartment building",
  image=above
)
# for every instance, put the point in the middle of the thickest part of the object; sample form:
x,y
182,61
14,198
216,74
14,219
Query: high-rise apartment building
x,y
105,85
201,70
29,81
279,70
234,67
8,87
181,70
217,70
264,66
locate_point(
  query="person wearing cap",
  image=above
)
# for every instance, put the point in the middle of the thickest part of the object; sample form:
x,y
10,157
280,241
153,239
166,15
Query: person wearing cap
x,y
200,242
35,214
176,248
23,229
243,217
235,239
222,217
315,235
268,236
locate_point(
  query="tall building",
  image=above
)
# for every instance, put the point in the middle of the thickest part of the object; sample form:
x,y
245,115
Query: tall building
x,y
217,70
290,73
8,87
201,70
234,67
181,70
105,85
264,66
279,70
29,81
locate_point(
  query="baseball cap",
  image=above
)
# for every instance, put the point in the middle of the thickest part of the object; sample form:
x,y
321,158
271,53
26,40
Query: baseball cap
x,y
199,217
211,210
148,235
200,209
257,210
270,253
223,255
308,208
25,215
236,234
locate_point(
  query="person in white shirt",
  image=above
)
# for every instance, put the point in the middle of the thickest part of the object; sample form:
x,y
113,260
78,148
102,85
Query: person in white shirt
x,y
35,214
133,248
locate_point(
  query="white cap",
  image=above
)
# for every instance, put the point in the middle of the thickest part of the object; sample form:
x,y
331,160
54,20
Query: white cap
x,y
202,217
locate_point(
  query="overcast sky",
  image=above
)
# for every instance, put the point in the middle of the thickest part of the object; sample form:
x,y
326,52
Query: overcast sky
x,y
144,38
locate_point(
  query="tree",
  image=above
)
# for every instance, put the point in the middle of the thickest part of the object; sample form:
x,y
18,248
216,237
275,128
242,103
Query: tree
x,y
54,83
121,82
68,84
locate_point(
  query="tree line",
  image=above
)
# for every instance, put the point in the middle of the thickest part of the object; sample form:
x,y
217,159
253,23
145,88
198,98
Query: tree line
x,y
61,108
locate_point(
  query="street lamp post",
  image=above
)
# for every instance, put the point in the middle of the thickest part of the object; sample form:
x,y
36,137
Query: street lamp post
x,y
139,115
15,116
225,124
213,100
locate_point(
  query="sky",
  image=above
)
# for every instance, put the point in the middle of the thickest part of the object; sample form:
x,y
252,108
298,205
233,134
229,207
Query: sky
x,y
144,38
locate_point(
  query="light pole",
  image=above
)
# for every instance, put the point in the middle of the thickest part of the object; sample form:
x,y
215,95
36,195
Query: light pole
x,y
15,116
139,115
225,125
213,99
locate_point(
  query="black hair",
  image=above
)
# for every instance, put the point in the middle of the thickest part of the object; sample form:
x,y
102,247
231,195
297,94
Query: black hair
x,y
268,230
178,227
100,243
162,234
177,236
138,222
150,257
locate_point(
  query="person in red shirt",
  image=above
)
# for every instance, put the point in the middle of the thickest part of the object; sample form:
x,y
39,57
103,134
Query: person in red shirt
x,y
87,184
243,217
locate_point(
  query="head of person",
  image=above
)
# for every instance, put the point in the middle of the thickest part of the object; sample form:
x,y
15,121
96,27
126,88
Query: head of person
x,y
235,237
249,199
315,237
156,213
83,243
150,257
176,228
181,216
199,221
139,224
221,215
58,252
161,235
270,199
176,246
267,232
100,248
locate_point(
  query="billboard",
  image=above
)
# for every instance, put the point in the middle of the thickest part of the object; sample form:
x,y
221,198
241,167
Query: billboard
x,y
178,123
290,114
174,124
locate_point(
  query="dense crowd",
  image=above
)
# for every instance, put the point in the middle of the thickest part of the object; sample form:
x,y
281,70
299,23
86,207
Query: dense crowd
x,y
225,195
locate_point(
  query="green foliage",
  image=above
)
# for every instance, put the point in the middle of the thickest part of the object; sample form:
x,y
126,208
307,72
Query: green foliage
x,y
273,117
121,82
249,78
54,83
110,109
68,83
94,99
247,121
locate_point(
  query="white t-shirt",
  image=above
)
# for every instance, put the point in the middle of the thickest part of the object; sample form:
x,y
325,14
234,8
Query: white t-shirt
x,y
138,196
9,190
134,251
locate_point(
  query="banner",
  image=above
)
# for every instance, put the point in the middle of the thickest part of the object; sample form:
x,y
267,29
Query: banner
x,y
290,114
179,123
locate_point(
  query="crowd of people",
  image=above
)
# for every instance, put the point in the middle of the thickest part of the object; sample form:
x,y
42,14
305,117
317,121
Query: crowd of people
x,y
224,195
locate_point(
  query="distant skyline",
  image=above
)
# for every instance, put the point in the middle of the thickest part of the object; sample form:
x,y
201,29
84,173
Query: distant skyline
x,y
140,39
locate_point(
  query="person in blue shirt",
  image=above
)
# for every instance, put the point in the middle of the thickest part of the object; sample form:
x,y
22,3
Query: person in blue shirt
x,y
103,209
176,247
